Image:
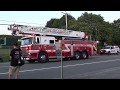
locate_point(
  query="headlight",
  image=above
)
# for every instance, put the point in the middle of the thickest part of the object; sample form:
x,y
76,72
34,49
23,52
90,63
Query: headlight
x,y
101,50
107,50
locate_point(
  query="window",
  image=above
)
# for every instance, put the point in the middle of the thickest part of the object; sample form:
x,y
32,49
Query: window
x,y
107,48
38,40
112,47
51,42
1,41
26,41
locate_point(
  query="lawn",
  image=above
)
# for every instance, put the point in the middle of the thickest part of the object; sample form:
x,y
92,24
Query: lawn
x,y
5,54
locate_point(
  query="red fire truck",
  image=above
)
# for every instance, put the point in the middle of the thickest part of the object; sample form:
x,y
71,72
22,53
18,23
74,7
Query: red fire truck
x,y
43,43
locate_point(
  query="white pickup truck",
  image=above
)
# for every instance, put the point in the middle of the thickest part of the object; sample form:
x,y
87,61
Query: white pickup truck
x,y
110,50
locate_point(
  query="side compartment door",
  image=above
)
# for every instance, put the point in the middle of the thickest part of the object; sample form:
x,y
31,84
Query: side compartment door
x,y
52,48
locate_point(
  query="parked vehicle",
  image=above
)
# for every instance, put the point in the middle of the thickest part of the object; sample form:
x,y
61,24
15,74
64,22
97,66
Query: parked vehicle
x,y
110,50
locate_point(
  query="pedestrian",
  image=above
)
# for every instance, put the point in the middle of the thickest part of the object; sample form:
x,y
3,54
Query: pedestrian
x,y
15,56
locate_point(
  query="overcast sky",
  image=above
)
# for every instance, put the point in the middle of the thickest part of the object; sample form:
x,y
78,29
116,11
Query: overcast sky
x,y
40,18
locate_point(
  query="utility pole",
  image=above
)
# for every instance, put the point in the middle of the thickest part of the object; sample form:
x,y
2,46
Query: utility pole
x,y
61,46
61,60
90,38
66,18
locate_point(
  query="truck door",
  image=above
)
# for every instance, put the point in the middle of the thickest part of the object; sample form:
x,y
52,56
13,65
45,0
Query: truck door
x,y
52,48
36,40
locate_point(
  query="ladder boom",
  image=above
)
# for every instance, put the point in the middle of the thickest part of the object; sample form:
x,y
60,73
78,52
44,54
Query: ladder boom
x,y
23,29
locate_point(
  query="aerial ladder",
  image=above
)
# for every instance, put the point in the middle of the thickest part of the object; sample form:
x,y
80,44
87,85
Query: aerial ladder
x,y
26,29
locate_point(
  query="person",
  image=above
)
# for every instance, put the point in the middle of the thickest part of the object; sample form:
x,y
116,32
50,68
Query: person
x,y
15,56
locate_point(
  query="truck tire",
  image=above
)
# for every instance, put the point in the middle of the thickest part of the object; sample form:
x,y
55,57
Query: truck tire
x,y
77,55
84,55
109,53
43,57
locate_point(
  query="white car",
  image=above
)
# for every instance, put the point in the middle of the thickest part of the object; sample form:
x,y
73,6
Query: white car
x,y
110,50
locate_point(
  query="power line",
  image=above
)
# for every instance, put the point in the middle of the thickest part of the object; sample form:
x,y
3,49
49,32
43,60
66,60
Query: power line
x,y
4,24
21,22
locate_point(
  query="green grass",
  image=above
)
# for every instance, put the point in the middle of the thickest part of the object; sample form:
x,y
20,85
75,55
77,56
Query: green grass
x,y
5,54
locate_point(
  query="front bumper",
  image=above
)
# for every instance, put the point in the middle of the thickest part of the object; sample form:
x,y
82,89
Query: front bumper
x,y
25,58
103,52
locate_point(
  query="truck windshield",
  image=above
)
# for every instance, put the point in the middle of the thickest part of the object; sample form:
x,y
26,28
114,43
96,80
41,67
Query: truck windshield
x,y
26,41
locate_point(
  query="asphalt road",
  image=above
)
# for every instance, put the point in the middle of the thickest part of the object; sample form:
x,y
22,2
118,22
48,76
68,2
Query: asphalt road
x,y
96,67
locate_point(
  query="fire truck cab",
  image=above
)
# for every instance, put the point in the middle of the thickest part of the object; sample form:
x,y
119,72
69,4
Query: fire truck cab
x,y
35,47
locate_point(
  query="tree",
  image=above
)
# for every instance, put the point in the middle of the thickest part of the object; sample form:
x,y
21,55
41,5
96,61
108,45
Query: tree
x,y
116,23
90,23
116,31
61,23
53,23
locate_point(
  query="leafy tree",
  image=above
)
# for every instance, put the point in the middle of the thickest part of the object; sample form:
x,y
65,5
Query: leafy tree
x,y
90,23
116,31
61,23
53,23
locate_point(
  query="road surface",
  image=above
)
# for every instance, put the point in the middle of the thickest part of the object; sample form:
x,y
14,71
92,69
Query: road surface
x,y
96,67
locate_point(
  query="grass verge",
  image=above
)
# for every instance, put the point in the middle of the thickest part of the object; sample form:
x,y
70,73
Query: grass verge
x,y
4,53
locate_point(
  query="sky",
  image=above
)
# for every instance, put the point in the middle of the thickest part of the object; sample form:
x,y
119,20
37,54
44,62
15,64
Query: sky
x,y
40,18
